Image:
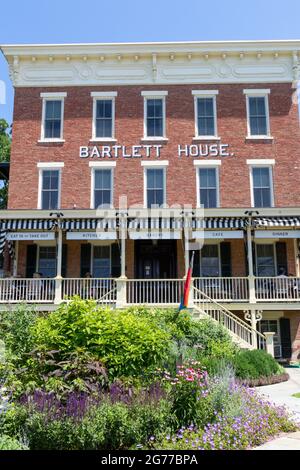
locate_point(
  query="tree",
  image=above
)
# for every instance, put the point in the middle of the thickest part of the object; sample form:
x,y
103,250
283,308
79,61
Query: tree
x,y
5,144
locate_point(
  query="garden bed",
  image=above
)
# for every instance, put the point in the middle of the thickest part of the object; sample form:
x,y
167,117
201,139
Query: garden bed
x,y
90,378
261,381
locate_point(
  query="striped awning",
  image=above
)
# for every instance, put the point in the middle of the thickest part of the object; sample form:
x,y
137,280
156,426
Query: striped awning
x,y
218,223
27,224
89,224
277,222
156,223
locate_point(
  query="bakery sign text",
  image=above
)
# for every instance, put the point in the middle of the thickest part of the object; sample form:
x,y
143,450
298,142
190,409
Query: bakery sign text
x,y
148,151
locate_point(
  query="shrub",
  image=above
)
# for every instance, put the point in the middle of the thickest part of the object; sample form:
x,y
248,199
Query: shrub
x,y
16,327
100,426
127,343
255,364
9,443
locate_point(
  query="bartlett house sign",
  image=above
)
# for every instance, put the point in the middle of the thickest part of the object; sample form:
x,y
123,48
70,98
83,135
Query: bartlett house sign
x,y
148,151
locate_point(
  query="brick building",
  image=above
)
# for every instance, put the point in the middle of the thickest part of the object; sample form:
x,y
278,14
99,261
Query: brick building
x,y
207,134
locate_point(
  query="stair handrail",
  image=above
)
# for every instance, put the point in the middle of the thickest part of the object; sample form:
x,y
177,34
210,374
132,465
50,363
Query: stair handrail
x,y
230,314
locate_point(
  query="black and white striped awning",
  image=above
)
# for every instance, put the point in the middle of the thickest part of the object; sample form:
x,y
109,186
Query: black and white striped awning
x,y
156,223
27,224
219,223
89,224
277,222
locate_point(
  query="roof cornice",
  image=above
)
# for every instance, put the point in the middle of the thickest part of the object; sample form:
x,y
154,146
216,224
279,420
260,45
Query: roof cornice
x,y
153,62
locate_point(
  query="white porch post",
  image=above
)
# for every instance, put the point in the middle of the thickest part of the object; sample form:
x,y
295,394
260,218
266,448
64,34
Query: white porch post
x,y
58,279
252,296
15,262
270,342
253,316
122,280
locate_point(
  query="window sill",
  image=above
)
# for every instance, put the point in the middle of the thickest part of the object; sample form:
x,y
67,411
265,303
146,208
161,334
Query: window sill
x,y
103,139
154,139
51,141
259,137
206,137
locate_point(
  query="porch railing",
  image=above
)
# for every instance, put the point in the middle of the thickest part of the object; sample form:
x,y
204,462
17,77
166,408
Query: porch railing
x,y
27,290
102,290
277,289
154,291
241,330
223,289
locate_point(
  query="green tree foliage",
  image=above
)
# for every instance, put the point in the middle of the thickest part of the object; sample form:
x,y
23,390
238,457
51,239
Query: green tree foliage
x,y
5,144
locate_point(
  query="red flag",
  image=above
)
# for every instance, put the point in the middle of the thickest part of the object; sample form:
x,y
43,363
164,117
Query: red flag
x,y
187,285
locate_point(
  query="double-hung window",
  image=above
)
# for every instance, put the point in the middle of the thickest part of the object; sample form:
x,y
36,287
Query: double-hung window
x,y
49,185
47,261
102,184
102,187
154,183
103,115
101,261
210,261
207,178
52,116
205,114
265,260
261,183
154,114
155,187
258,121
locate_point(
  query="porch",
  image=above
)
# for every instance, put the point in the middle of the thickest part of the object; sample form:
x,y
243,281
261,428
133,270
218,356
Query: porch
x,y
123,291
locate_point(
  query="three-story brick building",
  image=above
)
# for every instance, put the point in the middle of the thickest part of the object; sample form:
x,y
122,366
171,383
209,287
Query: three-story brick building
x,y
101,132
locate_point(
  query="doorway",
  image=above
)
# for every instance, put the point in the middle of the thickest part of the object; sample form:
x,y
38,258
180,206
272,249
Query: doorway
x,y
155,259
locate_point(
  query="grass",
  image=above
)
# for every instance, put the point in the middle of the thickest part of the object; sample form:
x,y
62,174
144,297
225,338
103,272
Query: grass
x,y
296,395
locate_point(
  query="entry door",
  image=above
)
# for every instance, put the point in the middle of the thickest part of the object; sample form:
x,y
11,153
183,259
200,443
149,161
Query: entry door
x,y
273,326
151,268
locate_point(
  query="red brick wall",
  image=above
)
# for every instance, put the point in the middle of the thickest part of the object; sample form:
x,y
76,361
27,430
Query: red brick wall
x,y
181,179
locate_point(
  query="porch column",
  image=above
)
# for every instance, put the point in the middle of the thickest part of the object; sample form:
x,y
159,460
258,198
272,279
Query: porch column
x,y
122,280
252,296
58,279
253,316
15,261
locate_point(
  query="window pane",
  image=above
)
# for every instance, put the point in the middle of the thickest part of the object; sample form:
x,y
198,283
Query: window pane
x,y
210,261
102,179
261,187
52,124
47,261
104,118
258,118
50,189
53,109
208,187
101,261
265,260
154,118
206,122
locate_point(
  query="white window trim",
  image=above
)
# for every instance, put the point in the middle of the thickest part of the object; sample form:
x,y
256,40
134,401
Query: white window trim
x,y
270,167
205,94
250,93
106,96
101,166
160,95
52,97
198,167
93,245
160,166
44,167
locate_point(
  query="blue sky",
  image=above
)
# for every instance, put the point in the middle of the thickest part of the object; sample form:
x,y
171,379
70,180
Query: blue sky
x,y
60,21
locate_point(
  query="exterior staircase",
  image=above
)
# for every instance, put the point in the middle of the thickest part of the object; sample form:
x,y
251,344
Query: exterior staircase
x,y
241,332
